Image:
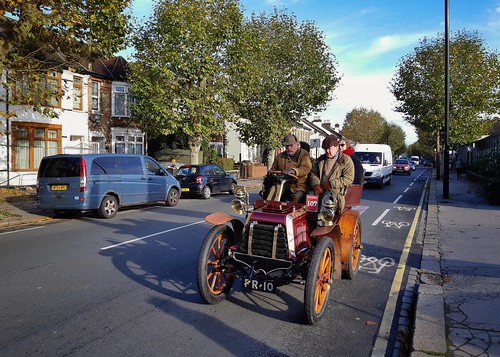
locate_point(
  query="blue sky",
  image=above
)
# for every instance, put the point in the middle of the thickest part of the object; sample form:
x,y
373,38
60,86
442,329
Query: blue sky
x,y
369,37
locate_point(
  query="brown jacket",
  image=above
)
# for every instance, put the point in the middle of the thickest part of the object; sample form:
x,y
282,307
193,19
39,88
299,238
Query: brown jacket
x,y
341,177
302,168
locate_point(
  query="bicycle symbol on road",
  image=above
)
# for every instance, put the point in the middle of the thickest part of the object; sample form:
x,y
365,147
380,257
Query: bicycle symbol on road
x,y
398,225
373,265
400,208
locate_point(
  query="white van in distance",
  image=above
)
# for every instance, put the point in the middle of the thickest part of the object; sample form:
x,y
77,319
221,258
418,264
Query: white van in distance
x,y
377,162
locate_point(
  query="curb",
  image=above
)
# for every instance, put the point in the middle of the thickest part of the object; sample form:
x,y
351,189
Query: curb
x,y
429,335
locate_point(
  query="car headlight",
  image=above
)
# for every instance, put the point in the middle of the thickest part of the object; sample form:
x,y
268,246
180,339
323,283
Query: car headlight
x,y
376,173
328,208
238,205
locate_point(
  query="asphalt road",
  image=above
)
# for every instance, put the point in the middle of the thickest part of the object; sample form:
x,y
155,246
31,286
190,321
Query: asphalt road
x,y
127,287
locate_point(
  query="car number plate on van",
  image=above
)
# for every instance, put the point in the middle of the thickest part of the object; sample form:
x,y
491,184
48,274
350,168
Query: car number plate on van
x,y
59,188
185,189
260,285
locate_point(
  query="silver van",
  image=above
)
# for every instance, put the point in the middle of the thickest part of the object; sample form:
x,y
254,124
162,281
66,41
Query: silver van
x,y
103,182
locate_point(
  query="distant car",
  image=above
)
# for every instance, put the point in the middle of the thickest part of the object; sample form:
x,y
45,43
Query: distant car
x,y
413,166
401,166
205,180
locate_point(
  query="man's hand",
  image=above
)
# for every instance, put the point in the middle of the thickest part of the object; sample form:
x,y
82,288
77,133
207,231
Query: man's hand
x,y
317,190
325,186
288,172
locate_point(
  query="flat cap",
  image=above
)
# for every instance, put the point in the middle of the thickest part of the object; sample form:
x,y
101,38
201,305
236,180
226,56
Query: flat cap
x,y
329,141
290,139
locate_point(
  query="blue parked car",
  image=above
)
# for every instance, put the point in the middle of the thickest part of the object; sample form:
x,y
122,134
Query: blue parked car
x,y
205,180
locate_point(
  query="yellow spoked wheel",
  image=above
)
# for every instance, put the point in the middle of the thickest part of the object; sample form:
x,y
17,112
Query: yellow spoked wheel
x,y
354,253
319,280
214,281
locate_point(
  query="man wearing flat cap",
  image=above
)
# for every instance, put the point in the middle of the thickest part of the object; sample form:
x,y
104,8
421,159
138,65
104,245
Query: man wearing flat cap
x,y
333,171
294,160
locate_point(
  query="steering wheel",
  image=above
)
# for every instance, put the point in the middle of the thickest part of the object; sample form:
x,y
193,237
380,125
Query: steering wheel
x,y
281,174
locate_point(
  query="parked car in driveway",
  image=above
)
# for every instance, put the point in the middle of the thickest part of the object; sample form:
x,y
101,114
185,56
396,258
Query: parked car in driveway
x,y
205,180
401,166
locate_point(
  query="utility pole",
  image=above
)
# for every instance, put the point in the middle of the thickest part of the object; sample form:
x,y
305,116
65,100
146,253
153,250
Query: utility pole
x,y
446,171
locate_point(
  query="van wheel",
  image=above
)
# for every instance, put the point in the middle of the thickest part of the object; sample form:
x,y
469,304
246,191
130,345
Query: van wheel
x,y
172,197
206,192
108,207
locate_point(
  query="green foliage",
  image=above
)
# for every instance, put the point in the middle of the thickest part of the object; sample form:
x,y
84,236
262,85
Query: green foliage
x,y
179,78
40,38
364,126
488,166
394,136
418,85
284,73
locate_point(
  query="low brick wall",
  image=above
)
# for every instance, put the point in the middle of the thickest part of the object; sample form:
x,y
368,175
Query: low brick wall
x,y
252,171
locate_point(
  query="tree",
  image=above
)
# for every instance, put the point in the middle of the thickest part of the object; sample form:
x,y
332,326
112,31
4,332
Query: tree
x,y
38,37
285,73
179,77
418,85
364,126
394,136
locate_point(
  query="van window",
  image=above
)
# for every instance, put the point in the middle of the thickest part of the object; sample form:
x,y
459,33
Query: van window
x,y
106,165
152,168
130,165
369,157
60,167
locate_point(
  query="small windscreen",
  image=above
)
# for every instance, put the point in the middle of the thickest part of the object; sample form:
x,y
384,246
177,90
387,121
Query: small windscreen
x,y
369,157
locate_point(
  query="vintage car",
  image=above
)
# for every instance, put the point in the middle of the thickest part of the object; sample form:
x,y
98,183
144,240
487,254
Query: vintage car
x,y
282,243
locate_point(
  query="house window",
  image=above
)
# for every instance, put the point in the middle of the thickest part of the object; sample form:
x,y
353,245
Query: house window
x,y
120,100
46,93
96,96
77,93
128,141
31,142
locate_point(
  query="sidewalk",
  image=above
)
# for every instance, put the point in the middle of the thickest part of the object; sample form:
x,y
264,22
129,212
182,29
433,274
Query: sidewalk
x,y
458,303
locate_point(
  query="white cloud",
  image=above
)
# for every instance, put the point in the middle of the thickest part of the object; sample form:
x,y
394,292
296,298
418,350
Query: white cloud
x,y
368,91
389,43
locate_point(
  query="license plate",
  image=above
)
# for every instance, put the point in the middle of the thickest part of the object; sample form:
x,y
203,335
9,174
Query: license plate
x,y
184,189
259,285
59,188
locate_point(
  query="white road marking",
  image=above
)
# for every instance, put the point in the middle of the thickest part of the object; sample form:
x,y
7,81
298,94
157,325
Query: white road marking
x,y
20,230
150,235
380,217
397,199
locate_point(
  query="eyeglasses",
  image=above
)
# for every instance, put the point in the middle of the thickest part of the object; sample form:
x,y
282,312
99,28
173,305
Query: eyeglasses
x,y
341,144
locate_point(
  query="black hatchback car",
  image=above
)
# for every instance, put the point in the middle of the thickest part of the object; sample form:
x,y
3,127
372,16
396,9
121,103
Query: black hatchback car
x,y
203,180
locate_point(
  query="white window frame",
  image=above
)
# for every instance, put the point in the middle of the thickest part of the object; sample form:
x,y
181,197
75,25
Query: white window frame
x,y
127,141
96,96
120,90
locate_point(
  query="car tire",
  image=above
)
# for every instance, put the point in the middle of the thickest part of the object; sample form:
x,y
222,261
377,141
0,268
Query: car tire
x,y
214,281
172,197
206,192
319,280
354,253
233,186
108,207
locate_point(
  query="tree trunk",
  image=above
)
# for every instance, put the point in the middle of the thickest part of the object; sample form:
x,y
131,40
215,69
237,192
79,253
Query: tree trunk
x,y
194,148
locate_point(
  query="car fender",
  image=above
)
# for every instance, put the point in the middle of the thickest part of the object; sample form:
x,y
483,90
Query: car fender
x,y
218,218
